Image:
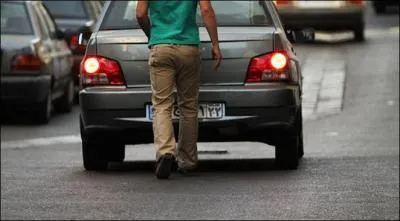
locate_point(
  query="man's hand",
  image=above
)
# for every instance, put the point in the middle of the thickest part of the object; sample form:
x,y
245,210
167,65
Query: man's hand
x,y
216,55
207,12
143,17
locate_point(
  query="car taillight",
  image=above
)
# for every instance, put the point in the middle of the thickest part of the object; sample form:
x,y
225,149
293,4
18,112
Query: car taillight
x,y
74,44
269,67
282,2
26,62
97,70
356,2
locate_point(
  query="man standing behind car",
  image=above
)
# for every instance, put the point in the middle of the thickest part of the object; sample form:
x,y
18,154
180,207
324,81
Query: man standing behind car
x,y
175,61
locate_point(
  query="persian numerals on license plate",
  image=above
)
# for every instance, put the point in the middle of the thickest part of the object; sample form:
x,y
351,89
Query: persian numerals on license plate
x,y
211,111
205,111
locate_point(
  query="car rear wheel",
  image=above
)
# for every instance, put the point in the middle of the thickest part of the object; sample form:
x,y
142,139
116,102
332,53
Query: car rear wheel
x,y
43,114
93,151
300,131
66,102
94,157
359,35
288,148
116,153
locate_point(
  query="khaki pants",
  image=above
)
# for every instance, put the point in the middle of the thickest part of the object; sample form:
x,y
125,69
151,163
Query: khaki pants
x,y
175,66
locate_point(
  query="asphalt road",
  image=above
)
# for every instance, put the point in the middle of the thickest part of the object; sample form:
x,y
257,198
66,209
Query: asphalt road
x,y
350,169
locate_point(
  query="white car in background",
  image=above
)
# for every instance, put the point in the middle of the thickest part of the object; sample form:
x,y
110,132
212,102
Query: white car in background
x,y
324,15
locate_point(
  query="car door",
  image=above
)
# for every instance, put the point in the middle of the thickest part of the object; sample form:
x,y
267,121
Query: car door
x,y
57,77
47,47
63,53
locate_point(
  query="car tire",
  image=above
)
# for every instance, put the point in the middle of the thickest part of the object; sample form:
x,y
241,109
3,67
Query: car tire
x,y
43,114
93,151
359,35
116,153
94,157
66,102
300,131
287,150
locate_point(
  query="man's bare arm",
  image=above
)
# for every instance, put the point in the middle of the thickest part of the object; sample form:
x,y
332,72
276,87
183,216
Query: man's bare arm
x,y
210,21
142,16
208,15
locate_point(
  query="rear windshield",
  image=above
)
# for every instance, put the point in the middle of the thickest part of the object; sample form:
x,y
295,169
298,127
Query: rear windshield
x,y
121,14
66,9
15,19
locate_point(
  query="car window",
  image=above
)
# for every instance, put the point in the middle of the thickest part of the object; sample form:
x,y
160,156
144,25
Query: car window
x,y
48,20
67,9
15,19
239,13
121,14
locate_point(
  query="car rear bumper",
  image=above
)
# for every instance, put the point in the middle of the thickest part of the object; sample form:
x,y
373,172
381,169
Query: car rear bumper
x,y
246,109
19,91
325,19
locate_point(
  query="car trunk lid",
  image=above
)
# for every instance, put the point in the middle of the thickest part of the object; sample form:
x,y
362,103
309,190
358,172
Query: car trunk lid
x,y
238,46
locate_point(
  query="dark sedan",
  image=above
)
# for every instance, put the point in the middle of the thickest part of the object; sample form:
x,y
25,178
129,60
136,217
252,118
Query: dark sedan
x,y
36,61
255,95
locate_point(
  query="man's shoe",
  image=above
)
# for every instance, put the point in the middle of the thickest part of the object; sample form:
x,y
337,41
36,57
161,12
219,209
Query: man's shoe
x,y
164,166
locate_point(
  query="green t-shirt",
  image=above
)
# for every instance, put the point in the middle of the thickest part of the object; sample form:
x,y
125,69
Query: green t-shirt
x,y
173,22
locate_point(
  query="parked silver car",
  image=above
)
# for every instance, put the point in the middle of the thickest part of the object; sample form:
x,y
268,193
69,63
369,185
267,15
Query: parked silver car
x,y
35,61
254,96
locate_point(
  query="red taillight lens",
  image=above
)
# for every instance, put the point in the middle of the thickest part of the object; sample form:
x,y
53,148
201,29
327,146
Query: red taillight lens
x,y
356,2
96,70
74,40
278,61
282,2
269,67
74,44
91,65
26,62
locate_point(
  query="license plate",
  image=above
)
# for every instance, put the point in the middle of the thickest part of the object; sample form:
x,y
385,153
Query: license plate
x,y
205,111
318,4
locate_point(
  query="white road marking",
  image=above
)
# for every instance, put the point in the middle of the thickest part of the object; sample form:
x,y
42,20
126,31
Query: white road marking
x,y
394,29
226,150
38,142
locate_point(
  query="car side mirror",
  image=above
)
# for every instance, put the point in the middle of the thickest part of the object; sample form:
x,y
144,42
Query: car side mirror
x,y
300,36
